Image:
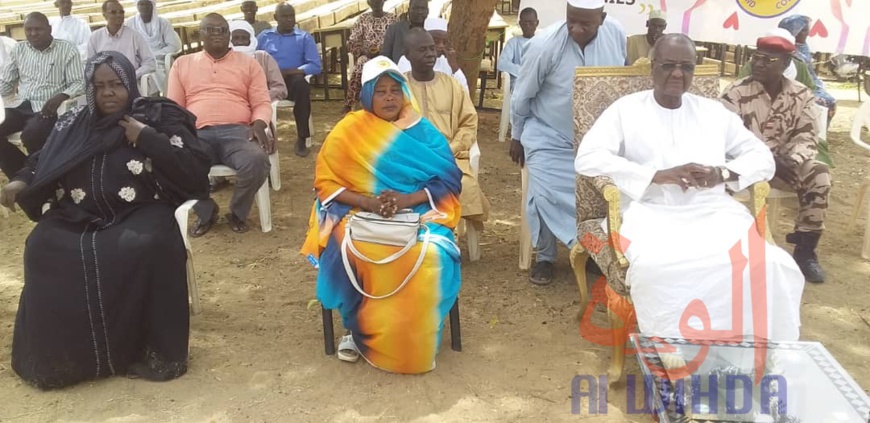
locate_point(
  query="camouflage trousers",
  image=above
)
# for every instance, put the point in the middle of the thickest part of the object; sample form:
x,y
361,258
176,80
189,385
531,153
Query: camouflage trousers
x,y
811,180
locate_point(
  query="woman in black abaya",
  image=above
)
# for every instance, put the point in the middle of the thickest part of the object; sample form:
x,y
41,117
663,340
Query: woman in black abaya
x,y
105,286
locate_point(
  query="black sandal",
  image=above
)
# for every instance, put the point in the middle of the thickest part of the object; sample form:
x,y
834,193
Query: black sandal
x,y
238,226
201,228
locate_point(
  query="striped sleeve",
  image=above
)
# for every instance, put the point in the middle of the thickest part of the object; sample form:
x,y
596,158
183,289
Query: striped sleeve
x,y
74,74
9,76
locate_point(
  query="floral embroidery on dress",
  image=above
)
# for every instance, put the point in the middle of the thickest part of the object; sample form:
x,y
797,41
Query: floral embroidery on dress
x,y
128,194
148,165
176,141
59,193
77,195
135,167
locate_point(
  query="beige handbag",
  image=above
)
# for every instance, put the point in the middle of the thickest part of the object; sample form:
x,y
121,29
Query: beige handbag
x,y
401,231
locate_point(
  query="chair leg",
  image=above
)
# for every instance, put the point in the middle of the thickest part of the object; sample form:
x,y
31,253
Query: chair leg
x,y
472,238
619,333
455,330
859,202
328,333
579,256
192,288
264,206
275,171
308,141
865,252
773,216
525,233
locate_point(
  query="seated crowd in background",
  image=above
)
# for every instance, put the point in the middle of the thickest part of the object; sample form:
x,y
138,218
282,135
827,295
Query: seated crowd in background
x,y
415,107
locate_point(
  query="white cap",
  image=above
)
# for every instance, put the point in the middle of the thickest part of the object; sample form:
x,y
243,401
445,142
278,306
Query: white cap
x,y
435,24
377,66
586,4
658,14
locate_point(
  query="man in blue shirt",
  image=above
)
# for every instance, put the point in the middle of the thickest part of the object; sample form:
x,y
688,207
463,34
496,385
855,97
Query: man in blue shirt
x,y
296,54
512,55
542,121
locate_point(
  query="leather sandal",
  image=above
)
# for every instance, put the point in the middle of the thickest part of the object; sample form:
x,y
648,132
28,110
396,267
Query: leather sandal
x,y
237,225
201,228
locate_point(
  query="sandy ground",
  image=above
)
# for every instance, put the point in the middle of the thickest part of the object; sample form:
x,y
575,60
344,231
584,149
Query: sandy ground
x,y
256,351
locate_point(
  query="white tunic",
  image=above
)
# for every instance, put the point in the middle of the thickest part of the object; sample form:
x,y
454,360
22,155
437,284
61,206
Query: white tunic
x,y
685,246
72,29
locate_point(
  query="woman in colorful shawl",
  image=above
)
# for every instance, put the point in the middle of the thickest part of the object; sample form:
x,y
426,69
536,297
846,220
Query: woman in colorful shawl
x,y
105,280
364,43
383,159
799,26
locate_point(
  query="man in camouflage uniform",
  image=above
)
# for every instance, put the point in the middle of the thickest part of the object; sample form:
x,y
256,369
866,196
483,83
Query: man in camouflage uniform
x,y
780,112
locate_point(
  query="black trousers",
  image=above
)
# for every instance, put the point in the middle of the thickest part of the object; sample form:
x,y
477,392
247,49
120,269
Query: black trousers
x,y
300,93
34,129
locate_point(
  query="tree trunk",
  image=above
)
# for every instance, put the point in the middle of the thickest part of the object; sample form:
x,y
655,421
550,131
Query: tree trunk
x,y
469,20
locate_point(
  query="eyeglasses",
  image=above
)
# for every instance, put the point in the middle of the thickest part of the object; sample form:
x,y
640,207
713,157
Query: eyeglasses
x,y
669,67
764,59
215,30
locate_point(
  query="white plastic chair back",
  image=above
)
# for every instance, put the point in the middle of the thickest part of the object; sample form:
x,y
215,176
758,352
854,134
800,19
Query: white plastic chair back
x,y
862,119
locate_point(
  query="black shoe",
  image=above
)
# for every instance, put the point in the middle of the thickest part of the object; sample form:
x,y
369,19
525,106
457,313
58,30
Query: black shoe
x,y
542,273
805,244
200,228
301,149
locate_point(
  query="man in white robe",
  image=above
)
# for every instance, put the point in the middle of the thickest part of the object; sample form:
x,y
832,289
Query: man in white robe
x,y
70,28
542,125
159,34
671,154
446,62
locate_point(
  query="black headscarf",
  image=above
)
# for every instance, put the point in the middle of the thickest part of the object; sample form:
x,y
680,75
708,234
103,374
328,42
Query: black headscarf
x,y
84,132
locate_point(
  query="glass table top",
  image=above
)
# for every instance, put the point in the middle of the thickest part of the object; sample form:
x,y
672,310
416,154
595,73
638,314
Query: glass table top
x,y
718,381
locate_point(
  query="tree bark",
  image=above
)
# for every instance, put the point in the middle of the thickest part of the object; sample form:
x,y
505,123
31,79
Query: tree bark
x,y
469,20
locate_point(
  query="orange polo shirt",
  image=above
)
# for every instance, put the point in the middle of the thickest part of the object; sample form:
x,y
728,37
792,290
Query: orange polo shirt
x,y
230,90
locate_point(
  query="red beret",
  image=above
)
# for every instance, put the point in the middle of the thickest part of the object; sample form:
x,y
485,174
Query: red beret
x,y
775,44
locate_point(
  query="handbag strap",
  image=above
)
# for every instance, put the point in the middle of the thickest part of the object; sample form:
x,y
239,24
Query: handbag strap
x,y
389,259
347,244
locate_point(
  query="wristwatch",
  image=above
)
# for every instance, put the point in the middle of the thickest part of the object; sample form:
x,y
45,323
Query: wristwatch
x,y
724,173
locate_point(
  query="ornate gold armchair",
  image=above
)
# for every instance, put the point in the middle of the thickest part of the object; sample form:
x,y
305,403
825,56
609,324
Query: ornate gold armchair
x,y
598,198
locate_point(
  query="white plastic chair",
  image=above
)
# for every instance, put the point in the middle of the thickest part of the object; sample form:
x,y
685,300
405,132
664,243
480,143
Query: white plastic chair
x,y
168,60
146,82
862,119
525,234
505,106
472,236
181,214
15,139
288,103
264,205
275,171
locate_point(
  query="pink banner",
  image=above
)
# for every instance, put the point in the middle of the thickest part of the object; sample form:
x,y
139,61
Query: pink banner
x,y
839,26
